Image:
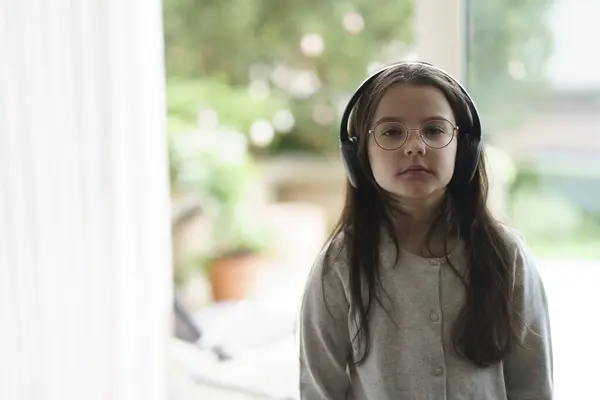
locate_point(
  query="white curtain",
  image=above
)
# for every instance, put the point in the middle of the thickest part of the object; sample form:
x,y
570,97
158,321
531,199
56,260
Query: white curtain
x,y
85,258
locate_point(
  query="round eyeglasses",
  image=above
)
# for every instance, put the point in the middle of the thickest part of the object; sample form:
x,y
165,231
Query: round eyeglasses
x,y
434,133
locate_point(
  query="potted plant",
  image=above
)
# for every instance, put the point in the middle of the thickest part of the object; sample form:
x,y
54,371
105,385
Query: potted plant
x,y
216,164
240,249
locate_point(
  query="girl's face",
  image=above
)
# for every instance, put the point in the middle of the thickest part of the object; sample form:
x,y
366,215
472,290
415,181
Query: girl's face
x,y
415,171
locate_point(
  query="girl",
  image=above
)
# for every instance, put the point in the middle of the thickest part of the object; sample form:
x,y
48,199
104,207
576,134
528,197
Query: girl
x,y
419,293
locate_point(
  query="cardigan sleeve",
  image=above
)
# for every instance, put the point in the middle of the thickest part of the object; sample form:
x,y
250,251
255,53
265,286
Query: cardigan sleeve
x,y
325,346
528,369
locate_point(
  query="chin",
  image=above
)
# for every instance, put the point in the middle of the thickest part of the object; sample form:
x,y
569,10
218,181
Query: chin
x,y
414,194
414,191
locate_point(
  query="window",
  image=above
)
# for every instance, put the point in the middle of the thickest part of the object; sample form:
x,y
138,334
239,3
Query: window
x,y
534,76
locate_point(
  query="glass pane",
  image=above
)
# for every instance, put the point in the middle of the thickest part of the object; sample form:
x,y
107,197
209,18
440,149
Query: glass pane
x,y
533,71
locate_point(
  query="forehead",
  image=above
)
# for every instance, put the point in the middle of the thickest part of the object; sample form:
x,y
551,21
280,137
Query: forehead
x,y
413,103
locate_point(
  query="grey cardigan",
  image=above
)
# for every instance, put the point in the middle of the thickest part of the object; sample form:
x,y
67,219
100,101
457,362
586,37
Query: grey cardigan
x,y
411,356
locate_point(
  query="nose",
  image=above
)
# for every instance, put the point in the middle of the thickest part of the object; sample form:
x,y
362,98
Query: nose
x,y
414,144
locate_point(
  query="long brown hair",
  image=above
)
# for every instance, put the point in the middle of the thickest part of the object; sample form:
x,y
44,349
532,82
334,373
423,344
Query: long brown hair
x,y
486,329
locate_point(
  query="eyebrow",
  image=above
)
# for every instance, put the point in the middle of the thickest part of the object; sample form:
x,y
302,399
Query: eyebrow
x,y
396,119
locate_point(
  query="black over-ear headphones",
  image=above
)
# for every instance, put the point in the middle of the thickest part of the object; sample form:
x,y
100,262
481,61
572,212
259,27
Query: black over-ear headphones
x,y
469,145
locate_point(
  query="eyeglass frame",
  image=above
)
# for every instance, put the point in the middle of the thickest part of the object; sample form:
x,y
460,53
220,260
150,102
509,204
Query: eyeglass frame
x,y
455,132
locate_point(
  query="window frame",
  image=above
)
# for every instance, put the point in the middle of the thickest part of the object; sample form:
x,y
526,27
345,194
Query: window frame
x,y
438,46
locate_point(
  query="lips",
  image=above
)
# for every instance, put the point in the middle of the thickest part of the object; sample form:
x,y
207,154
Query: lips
x,y
415,169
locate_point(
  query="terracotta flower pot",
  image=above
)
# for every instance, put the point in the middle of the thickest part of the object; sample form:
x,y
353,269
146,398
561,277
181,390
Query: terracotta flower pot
x,y
233,278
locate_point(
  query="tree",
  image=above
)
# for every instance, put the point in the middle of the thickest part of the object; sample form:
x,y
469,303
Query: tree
x,y
509,44
257,43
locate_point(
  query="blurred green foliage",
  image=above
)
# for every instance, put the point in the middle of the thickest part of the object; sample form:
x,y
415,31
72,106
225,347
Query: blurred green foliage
x,y
187,97
215,50
242,59
555,209
509,44
216,164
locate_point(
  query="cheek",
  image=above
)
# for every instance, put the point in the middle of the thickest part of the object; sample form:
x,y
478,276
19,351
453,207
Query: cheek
x,y
446,161
382,162
375,159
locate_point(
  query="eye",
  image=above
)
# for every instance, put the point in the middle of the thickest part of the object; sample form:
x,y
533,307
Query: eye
x,y
392,132
432,130
436,128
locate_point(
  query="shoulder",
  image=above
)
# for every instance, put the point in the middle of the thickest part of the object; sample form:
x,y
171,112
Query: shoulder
x,y
511,236
332,260
516,245
329,276
527,281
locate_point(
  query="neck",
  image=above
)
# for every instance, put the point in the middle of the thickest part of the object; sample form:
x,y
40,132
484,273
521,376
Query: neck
x,y
416,214
414,219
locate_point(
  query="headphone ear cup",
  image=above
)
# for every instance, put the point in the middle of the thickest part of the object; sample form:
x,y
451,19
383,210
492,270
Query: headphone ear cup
x,y
468,158
350,159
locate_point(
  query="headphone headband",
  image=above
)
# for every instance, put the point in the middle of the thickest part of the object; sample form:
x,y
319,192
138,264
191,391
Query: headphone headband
x,y
344,134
